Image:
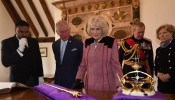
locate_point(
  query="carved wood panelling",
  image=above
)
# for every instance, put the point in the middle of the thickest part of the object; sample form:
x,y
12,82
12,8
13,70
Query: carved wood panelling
x,y
118,13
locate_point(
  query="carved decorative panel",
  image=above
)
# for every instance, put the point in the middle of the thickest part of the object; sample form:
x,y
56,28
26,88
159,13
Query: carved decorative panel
x,y
118,13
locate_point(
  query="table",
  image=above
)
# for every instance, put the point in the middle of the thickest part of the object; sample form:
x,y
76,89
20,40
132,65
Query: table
x,y
31,94
100,95
22,94
169,96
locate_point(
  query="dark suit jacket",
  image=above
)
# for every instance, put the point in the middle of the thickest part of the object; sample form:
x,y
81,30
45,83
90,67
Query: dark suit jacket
x,y
165,63
22,69
66,72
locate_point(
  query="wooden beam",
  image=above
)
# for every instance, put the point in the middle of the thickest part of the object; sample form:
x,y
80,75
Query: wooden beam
x,y
11,10
38,17
57,3
46,39
49,17
20,5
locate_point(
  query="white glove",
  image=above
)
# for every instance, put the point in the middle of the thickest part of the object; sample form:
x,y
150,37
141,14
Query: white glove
x,y
41,80
22,44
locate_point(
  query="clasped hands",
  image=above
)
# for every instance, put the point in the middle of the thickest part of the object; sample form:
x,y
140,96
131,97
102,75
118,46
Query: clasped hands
x,y
164,77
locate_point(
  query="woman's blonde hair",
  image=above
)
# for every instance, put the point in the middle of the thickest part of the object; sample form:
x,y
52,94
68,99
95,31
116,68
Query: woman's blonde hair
x,y
98,21
168,27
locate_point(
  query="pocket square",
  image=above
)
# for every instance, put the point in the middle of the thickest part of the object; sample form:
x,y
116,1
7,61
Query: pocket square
x,y
74,49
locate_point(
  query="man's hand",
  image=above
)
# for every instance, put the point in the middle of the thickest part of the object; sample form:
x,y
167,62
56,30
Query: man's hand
x,y
22,44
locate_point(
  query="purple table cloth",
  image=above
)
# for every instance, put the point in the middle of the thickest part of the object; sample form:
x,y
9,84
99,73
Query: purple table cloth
x,y
56,94
121,96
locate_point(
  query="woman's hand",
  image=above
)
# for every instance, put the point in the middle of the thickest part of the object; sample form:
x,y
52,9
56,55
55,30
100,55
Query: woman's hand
x,y
164,77
78,84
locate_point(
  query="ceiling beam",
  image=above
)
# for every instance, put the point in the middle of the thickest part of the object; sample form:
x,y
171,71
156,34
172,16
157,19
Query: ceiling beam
x,y
49,17
38,17
27,17
11,10
44,39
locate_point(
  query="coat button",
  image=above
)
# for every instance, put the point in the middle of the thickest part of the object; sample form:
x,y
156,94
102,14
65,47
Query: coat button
x,y
169,67
157,62
169,54
157,56
170,48
169,60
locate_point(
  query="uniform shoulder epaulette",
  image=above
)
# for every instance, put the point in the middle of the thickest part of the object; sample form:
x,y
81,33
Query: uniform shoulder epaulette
x,y
123,40
147,39
126,38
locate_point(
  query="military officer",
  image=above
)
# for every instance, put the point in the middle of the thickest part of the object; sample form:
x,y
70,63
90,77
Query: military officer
x,y
136,52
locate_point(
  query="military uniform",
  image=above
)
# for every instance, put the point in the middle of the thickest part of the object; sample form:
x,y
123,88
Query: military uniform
x,y
133,51
165,63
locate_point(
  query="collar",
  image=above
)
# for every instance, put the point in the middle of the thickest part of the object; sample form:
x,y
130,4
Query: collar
x,y
166,43
95,43
137,41
17,37
64,41
98,40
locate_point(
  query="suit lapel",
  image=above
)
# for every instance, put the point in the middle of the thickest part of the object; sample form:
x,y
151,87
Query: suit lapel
x,y
15,41
58,46
57,49
29,42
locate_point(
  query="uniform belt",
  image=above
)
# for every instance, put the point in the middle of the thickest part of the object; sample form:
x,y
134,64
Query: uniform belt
x,y
130,63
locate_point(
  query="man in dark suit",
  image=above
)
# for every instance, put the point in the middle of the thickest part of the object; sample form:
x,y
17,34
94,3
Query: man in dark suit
x,y
68,55
22,54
